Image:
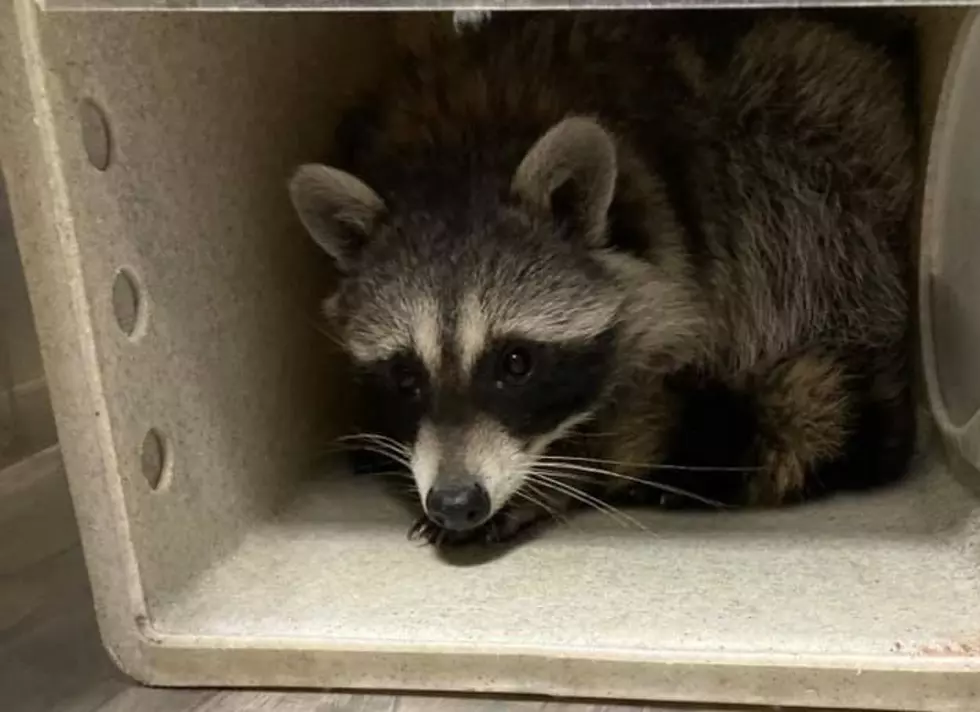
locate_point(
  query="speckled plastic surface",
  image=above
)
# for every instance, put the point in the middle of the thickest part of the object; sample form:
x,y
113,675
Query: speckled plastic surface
x,y
247,567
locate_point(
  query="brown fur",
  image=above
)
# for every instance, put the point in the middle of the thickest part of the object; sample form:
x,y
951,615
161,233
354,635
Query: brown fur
x,y
757,237
805,414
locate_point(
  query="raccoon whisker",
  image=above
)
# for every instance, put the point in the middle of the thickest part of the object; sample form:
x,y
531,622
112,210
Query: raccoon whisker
x,y
321,329
391,441
376,437
396,450
583,435
386,452
575,476
337,448
368,435
539,500
401,474
361,448
394,457
556,469
546,480
402,455
614,513
552,508
649,465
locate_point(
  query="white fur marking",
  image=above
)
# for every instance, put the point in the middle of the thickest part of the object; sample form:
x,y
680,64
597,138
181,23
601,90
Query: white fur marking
x,y
471,331
414,325
378,346
497,459
500,461
425,459
427,333
540,444
490,453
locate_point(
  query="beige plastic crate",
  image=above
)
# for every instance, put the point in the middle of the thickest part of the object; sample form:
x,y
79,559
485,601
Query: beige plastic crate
x,y
146,155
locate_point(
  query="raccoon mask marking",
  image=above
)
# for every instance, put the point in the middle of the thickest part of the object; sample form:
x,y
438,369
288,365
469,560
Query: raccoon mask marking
x,y
706,277
485,327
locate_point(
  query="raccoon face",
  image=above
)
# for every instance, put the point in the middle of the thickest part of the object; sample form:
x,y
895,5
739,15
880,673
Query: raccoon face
x,y
484,332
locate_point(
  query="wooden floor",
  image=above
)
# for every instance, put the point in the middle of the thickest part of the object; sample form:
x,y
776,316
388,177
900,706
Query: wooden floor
x,y
50,655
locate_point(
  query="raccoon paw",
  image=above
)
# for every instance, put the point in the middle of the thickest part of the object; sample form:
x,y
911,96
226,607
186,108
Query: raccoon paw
x,y
510,523
424,531
780,481
500,529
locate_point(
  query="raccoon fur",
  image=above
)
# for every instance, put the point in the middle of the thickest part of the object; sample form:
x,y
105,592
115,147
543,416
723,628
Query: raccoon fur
x,y
595,256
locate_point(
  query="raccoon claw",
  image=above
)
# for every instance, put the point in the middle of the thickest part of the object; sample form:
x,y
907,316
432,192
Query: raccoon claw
x,y
424,532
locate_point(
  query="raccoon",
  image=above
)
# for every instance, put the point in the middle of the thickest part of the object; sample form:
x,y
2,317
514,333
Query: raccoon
x,y
590,257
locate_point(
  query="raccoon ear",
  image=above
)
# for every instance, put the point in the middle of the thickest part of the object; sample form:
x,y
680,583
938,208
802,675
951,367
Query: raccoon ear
x,y
338,210
571,173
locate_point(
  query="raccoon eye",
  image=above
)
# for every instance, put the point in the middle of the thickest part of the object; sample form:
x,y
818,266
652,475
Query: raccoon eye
x,y
406,379
515,365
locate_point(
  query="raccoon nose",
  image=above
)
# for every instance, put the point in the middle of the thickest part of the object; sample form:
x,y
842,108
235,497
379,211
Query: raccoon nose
x,y
458,506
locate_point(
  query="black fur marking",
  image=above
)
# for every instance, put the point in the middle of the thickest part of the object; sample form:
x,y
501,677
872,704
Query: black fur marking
x,y
670,162
715,426
567,379
716,33
402,412
353,131
881,441
627,233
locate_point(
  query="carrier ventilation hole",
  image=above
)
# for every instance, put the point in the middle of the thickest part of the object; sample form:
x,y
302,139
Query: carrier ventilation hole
x,y
126,302
95,134
155,459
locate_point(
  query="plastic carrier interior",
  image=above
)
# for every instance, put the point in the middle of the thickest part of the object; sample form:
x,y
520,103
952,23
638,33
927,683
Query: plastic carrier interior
x,y
145,155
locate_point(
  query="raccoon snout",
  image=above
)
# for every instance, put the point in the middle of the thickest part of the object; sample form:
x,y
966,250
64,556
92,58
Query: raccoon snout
x,y
458,506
